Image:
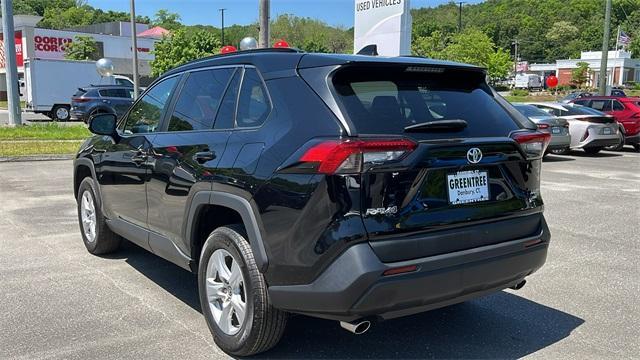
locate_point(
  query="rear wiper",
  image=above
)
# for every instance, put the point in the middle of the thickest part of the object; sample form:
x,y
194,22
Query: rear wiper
x,y
438,125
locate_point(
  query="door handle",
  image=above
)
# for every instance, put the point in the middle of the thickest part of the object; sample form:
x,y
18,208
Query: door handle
x,y
204,156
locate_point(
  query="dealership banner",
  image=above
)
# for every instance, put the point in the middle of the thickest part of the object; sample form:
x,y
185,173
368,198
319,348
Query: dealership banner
x,y
19,50
384,23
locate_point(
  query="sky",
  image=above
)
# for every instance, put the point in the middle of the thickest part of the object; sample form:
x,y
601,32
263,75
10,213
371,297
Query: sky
x,y
333,12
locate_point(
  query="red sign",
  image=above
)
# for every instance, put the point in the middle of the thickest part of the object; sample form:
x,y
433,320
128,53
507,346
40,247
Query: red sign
x,y
51,43
19,53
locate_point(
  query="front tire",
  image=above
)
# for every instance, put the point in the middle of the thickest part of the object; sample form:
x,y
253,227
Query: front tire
x,y
96,235
233,295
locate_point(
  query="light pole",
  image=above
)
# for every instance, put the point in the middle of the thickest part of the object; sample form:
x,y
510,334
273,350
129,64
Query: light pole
x,y
222,15
134,49
605,50
263,40
460,16
13,94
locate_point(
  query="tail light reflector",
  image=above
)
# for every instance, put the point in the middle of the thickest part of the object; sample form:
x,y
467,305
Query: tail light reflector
x,y
400,270
349,155
80,100
534,143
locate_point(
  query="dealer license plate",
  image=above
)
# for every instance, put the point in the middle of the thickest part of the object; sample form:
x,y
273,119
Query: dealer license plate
x,y
555,130
606,131
468,187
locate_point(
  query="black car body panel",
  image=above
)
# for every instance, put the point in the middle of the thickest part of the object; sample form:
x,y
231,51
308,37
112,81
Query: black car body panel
x,y
234,157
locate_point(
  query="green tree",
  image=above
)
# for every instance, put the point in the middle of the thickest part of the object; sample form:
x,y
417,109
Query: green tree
x,y
81,48
499,64
315,45
166,19
182,46
431,46
580,75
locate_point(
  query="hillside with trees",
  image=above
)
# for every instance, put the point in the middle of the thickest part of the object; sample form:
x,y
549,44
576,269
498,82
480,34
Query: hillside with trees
x,y
546,30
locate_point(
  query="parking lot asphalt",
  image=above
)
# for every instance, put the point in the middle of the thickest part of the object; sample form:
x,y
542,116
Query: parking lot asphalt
x,y
58,301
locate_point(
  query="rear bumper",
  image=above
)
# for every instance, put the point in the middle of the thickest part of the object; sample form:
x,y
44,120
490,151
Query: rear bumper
x,y
559,142
78,116
353,286
599,143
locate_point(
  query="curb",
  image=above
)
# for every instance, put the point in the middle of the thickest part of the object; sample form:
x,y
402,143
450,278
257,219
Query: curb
x,y
36,158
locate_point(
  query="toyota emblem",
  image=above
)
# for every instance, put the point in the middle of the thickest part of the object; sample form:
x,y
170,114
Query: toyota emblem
x,y
474,155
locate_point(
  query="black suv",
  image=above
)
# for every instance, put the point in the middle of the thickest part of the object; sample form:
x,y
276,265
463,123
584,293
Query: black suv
x,y
344,187
100,99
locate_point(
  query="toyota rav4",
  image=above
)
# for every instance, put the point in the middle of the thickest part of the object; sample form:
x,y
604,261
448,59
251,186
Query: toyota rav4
x,y
346,187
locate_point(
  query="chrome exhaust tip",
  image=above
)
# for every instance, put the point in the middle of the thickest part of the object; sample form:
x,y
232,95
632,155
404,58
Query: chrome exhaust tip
x,y
519,285
357,327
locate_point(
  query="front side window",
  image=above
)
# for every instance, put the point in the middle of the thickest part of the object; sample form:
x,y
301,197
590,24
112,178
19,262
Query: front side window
x,y
253,103
145,115
199,100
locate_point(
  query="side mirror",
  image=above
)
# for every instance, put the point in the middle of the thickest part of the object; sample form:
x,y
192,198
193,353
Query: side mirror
x,y
103,124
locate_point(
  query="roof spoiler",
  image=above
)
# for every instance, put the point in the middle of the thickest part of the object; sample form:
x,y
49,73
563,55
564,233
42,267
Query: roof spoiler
x,y
371,50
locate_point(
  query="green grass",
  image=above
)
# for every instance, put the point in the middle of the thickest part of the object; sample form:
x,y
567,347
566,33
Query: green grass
x,y
532,98
51,131
37,147
4,105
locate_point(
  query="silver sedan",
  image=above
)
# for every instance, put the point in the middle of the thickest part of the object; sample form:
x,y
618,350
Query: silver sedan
x,y
557,127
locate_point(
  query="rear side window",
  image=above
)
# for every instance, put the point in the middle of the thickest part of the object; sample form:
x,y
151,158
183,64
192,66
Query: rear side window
x,y
253,102
582,102
199,100
384,100
617,106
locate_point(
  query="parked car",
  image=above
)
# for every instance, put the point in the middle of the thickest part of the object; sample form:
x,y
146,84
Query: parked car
x,y
345,187
576,95
626,110
98,99
590,130
618,93
557,127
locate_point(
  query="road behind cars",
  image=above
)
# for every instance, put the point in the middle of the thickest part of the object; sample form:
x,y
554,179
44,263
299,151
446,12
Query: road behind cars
x,y
59,301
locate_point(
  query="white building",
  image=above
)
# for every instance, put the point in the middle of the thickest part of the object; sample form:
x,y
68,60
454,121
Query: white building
x,y
33,42
621,68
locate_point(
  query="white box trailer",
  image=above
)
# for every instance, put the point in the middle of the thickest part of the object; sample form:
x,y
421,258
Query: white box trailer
x,y
528,81
50,84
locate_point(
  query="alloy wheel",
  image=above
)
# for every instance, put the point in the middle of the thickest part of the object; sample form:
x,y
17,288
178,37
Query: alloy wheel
x,y
226,291
88,216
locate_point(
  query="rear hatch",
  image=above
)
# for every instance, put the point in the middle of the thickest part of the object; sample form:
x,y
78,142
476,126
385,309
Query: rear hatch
x,y
471,177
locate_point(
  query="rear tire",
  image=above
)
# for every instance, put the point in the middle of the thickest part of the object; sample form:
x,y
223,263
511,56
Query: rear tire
x,y
262,325
96,235
61,113
592,150
619,146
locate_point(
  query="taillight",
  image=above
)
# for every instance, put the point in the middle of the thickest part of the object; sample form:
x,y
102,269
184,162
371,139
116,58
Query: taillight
x,y
543,126
534,143
80,100
350,155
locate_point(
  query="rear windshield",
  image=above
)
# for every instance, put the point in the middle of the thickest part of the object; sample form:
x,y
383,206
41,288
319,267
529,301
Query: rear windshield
x,y
79,93
384,100
530,110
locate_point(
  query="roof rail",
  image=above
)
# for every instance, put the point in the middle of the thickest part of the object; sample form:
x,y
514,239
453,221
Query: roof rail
x,y
240,52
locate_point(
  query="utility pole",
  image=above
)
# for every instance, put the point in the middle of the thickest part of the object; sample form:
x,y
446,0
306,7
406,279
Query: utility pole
x,y
134,49
460,16
605,49
13,94
222,15
263,40
515,57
